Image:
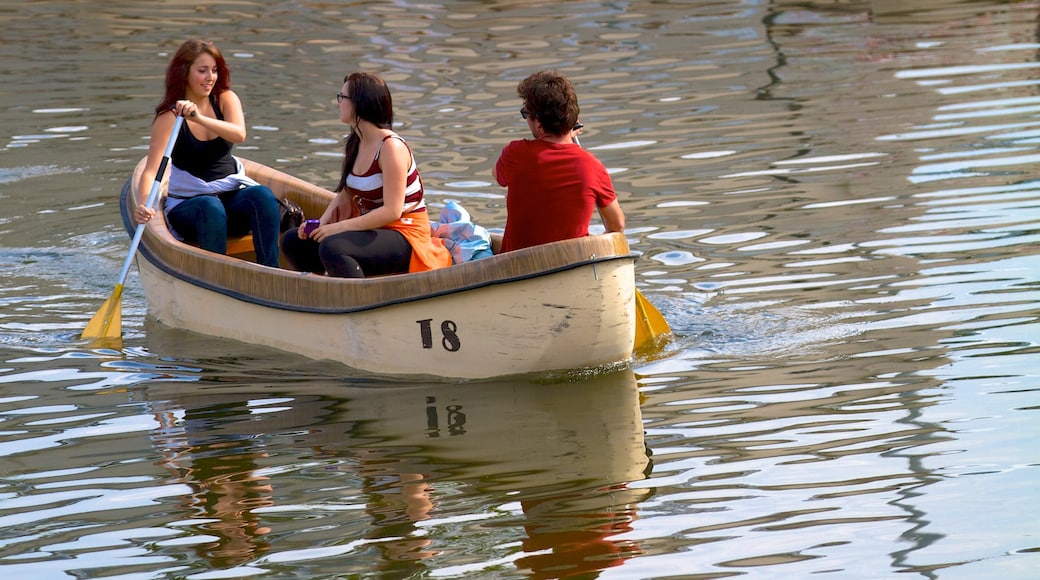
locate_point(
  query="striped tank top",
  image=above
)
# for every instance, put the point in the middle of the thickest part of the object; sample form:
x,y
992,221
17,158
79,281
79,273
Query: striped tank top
x,y
367,188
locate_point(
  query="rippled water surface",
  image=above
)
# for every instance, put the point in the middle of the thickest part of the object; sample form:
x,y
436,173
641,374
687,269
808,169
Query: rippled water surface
x,y
837,212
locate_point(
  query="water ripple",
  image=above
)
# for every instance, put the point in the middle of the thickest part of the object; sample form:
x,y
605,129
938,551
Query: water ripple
x,y
836,212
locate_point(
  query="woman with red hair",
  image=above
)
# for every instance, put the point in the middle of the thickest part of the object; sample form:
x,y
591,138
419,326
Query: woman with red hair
x,y
209,197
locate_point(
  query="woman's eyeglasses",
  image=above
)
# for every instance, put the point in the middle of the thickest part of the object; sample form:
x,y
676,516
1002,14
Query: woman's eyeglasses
x,y
340,97
523,113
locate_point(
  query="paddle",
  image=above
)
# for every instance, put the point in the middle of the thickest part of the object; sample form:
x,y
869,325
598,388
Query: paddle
x,y
107,322
650,324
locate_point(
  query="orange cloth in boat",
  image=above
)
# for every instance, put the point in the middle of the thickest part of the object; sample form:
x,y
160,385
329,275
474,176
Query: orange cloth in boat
x,y
428,253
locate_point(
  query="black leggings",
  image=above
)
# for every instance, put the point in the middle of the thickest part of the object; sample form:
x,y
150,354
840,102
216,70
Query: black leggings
x,y
349,254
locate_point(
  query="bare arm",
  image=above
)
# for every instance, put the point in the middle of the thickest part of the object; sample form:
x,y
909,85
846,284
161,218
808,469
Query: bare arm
x,y
232,128
612,216
394,161
161,130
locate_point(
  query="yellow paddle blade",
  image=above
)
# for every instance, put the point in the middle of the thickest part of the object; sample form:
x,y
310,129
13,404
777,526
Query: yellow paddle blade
x,y
108,321
650,325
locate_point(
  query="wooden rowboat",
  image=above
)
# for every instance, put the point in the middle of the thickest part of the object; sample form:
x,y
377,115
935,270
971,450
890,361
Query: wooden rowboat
x,y
560,306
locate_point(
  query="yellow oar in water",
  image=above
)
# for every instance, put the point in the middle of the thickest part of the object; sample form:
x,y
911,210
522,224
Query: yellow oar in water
x,y
650,325
108,321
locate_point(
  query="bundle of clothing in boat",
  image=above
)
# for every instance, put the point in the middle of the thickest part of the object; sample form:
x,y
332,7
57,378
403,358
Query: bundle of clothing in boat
x,y
464,239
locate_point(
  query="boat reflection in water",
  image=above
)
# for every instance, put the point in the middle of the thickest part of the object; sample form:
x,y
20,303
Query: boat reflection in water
x,y
542,468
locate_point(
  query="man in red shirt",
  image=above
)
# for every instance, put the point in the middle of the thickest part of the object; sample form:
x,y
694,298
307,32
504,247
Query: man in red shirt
x,y
552,183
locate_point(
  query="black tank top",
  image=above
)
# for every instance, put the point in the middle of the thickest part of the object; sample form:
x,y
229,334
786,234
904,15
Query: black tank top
x,y
207,160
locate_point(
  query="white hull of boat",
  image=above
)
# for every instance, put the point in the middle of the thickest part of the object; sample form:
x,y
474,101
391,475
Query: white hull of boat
x,y
563,320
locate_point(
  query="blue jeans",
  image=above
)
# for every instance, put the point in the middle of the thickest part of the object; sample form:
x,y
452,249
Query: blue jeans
x,y
208,220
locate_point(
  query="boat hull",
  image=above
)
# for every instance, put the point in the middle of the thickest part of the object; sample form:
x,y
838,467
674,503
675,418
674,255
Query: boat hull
x,y
538,324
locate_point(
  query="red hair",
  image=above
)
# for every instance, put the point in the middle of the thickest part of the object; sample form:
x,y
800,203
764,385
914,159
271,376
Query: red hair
x,y
180,64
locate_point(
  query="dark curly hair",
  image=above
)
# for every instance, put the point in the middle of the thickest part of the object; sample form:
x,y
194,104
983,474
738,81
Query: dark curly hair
x,y
550,98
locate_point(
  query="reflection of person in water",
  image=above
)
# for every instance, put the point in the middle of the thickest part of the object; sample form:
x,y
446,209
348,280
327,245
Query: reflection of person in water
x,y
225,485
568,534
569,528
561,457
396,502
565,542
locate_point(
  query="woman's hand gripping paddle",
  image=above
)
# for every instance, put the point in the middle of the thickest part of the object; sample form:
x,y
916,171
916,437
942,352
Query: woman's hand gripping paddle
x,y
650,324
108,322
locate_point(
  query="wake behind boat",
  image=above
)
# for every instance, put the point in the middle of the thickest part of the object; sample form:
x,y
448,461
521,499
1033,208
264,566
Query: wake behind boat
x,y
560,306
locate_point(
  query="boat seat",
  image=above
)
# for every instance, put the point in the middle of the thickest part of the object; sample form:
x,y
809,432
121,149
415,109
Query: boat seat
x,y
241,247
237,245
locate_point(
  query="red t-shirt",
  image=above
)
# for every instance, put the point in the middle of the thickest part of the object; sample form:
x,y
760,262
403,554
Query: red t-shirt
x,y
552,190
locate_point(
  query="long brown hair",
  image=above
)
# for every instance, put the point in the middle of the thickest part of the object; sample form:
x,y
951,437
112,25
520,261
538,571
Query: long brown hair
x,y
371,99
180,65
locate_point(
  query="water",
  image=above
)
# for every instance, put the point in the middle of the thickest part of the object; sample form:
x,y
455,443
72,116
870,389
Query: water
x,y
837,214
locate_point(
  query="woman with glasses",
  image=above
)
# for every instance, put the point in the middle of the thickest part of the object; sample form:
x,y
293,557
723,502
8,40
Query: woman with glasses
x,y
552,183
377,223
209,197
